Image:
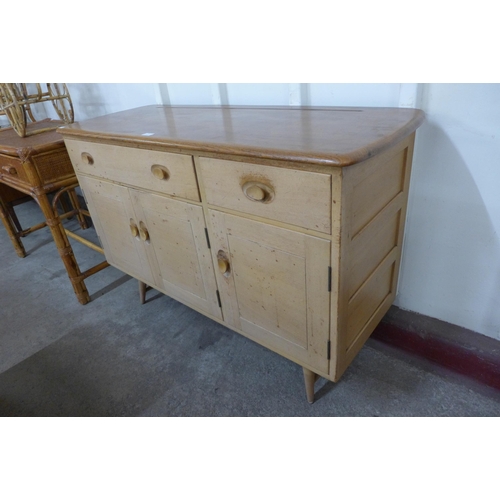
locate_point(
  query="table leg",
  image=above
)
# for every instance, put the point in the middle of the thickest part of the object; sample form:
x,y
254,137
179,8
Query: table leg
x,y
13,234
13,217
64,248
76,204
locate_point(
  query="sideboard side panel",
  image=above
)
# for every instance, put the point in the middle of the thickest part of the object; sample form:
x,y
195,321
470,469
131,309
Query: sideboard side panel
x,y
375,201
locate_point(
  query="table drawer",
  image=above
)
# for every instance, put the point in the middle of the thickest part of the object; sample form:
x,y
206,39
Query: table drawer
x,y
11,169
165,173
296,197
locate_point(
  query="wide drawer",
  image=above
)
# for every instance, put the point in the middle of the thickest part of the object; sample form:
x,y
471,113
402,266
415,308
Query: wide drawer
x,y
166,173
296,197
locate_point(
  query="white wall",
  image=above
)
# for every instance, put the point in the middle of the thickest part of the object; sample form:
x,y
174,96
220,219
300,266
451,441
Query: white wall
x,y
96,99
451,259
451,263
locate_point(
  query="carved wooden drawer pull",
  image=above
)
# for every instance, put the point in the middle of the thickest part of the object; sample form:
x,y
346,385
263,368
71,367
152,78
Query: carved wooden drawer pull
x,y
87,158
256,191
223,263
134,229
143,232
160,172
139,232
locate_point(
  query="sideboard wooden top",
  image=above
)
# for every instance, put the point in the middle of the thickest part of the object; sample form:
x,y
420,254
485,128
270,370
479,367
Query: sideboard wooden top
x,y
327,136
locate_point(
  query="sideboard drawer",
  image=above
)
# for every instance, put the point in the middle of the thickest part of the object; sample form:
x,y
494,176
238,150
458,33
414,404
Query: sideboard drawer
x,y
297,197
166,173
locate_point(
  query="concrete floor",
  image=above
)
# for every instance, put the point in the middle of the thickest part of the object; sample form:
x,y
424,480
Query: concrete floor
x,y
114,357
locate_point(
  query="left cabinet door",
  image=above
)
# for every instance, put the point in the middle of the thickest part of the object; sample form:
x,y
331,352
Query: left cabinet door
x,y
170,250
117,227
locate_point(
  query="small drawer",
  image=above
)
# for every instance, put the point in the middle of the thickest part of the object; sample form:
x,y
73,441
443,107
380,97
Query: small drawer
x,y
296,197
166,173
12,169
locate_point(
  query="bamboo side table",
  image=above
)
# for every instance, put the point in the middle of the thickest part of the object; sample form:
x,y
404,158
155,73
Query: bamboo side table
x,y
39,165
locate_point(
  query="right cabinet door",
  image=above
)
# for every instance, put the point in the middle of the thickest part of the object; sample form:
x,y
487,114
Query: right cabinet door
x,y
274,286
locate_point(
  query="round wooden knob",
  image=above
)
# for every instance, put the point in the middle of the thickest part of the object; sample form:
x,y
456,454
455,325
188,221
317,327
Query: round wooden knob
x,y
87,158
134,230
144,235
9,170
160,172
256,191
223,265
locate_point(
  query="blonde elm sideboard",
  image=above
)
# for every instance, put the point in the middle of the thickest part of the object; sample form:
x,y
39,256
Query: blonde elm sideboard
x,y
284,224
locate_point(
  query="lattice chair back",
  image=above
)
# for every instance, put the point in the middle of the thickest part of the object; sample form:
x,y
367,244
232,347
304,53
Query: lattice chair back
x,y
16,103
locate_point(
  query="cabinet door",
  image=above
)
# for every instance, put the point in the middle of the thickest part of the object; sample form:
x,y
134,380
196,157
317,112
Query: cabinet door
x,y
274,286
178,250
112,213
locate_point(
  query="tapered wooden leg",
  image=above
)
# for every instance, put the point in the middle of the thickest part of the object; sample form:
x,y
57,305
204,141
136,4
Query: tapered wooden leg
x,y
309,379
142,292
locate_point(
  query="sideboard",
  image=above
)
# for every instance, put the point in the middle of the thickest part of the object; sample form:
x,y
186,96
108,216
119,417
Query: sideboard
x,y
283,223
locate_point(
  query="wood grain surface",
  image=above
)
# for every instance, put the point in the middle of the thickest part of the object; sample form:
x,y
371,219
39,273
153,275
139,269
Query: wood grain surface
x,y
336,137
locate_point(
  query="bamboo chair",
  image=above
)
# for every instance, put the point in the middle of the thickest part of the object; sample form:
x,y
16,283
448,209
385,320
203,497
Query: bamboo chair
x,y
16,102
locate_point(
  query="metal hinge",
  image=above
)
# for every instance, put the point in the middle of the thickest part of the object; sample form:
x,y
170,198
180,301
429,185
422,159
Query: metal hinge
x,y
329,278
208,239
328,350
218,299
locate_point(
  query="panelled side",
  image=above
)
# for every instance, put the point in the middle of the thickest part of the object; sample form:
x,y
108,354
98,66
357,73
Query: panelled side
x,y
375,195
336,252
